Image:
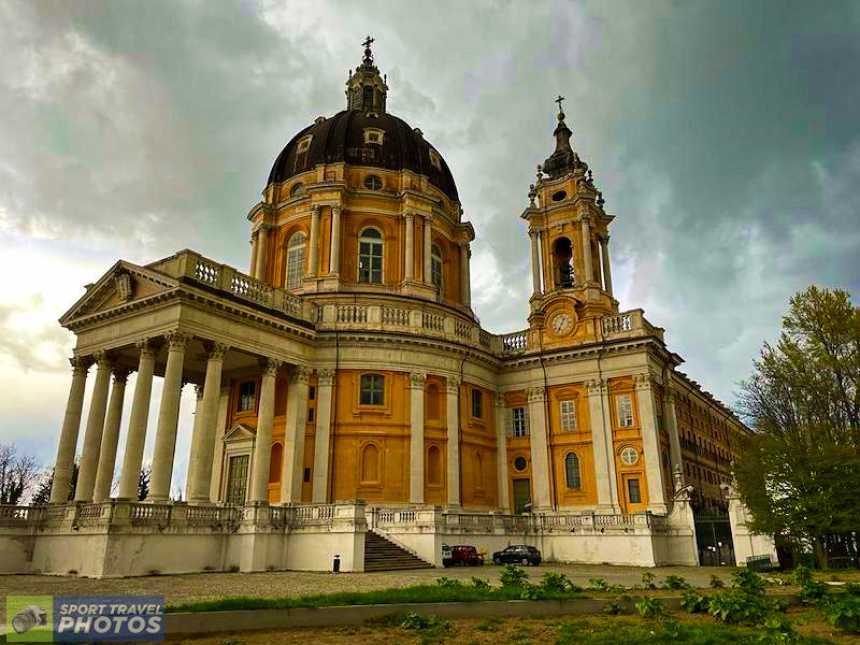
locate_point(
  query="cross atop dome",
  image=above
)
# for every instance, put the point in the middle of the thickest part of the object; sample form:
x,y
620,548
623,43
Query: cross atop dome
x,y
366,89
368,54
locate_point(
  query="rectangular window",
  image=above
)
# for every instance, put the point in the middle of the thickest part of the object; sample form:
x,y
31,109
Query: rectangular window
x,y
310,415
519,422
477,403
625,410
370,261
312,393
372,389
634,495
568,416
307,475
247,396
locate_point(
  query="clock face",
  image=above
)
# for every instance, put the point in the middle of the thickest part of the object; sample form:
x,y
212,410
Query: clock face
x,y
562,324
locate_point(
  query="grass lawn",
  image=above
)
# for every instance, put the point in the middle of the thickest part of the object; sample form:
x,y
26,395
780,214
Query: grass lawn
x,y
593,630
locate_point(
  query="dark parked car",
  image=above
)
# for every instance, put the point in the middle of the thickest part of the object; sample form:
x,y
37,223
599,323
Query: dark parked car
x,y
461,554
518,554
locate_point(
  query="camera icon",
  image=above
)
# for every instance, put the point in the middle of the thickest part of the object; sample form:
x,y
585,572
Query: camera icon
x,y
28,618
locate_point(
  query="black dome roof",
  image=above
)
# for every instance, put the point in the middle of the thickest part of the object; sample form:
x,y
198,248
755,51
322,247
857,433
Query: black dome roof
x,y
341,138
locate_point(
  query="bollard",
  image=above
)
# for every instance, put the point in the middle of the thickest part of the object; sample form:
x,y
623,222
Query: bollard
x,y
335,565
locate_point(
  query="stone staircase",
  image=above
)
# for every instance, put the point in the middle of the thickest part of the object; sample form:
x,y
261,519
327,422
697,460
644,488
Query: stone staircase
x,y
381,554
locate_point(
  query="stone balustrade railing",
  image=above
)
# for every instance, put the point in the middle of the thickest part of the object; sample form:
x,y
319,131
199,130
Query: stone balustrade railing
x,y
629,324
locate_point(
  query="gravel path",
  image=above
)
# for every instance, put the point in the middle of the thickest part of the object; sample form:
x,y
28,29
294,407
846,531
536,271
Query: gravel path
x,y
292,583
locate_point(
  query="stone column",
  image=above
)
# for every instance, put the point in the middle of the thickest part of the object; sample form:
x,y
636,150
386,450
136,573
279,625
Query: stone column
x,y
93,434
534,235
134,442
670,418
263,444
294,436
428,251
218,456
586,248
465,277
322,436
409,269
650,443
314,267
416,437
168,420
110,437
502,453
607,269
252,269
539,441
601,445
262,252
203,439
452,408
334,255
195,432
68,443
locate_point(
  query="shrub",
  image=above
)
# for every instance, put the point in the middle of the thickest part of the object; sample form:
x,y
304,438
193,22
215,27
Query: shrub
x,y
448,583
649,607
675,582
777,630
853,588
717,582
556,582
617,606
532,592
843,611
801,575
597,584
514,576
432,628
738,606
749,581
694,603
648,580
812,592
480,583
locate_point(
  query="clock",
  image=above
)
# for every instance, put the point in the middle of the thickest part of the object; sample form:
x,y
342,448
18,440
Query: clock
x,y
561,324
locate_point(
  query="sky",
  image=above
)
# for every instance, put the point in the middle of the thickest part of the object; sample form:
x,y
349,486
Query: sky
x,y
724,136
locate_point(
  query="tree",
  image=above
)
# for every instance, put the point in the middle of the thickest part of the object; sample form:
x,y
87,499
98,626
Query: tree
x,y
43,491
18,474
800,471
143,483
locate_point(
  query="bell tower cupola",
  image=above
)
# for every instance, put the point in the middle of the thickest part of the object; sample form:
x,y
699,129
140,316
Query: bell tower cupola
x,y
569,234
366,90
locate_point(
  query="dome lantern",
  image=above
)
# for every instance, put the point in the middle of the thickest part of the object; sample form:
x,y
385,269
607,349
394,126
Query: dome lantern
x,y
366,90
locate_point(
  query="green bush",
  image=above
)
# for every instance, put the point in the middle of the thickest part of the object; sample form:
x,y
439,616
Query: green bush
x,y
843,611
532,592
557,582
777,630
649,607
480,583
801,575
675,582
812,592
615,607
738,606
717,582
513,576
648,580
749,581
597,584
448,583
694,603
431,628
853,588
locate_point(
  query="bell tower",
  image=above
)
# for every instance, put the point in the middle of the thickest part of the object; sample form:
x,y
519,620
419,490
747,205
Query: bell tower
x,y
569,233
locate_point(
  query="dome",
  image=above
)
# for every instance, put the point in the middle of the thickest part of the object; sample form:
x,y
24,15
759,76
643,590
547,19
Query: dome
x,y
344,137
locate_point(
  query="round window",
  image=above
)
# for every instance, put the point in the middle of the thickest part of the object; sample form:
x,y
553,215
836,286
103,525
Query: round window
x,y
372,182
520,463
558,196
629,456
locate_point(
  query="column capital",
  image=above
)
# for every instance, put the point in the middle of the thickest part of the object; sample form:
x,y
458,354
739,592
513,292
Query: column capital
x,y
316,209
102,359
604,239
325,377
198,391
176,339
643,380
270,366
596,387
500,400
146,346
80,364
585,217
216,350
409,214
336,210
300,374
452,384
120,375
533,233
417,380
537,393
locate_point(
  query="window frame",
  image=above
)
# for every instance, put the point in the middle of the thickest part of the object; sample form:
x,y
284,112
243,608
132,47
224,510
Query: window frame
x,y
368,276
567,418
295,261
571,458
477,397
630,499
437,264
375,388
376,183
623,420
244,405
519,426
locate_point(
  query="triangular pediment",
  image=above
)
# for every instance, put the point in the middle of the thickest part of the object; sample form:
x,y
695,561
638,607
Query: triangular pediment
x,y
123,283
239,432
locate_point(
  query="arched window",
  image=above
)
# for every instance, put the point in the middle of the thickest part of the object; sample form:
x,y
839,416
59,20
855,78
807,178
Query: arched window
x,y
297,189
434,466
571,471
562,255
370,256
436,266
370,464
276,463
295,261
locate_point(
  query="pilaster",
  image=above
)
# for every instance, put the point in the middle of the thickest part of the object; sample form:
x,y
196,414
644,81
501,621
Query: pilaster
x,y
601,444
294,435
416,437
650,443
322,435
452,408
539,441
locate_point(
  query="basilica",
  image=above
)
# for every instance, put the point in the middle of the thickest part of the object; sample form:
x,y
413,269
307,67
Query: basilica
x,y
350,408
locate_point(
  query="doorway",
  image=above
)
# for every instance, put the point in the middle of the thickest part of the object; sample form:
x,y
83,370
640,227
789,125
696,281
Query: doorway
x,y
237,480
522,495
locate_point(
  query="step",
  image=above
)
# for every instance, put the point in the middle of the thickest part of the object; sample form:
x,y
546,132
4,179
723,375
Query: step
x,y
381,554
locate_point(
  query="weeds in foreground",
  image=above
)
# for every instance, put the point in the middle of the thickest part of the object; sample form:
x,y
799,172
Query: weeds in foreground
x,y
650,607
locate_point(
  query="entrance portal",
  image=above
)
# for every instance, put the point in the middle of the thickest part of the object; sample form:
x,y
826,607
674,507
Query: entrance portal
x,y
522,495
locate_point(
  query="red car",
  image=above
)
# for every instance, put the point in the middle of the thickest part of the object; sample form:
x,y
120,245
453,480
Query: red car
x,y
462,555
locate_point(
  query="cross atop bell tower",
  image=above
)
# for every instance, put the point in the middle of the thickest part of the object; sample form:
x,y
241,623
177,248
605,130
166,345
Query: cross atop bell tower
x,y
366,90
